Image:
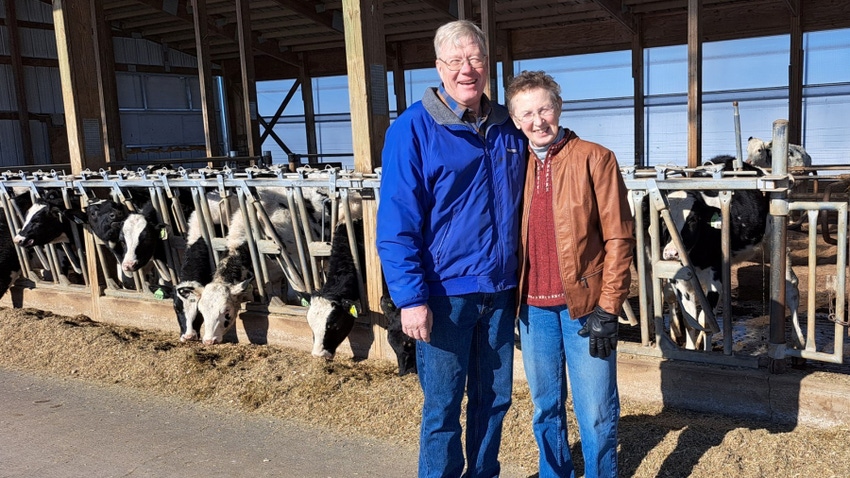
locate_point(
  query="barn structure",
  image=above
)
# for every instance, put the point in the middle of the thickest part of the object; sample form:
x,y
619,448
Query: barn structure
x,y
65,62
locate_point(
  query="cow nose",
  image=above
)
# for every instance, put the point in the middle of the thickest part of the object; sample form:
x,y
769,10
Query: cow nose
x,y
211,341
129,266
323,354
670,253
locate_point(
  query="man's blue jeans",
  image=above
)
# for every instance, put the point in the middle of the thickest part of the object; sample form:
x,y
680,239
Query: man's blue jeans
x,y
549,342
472,349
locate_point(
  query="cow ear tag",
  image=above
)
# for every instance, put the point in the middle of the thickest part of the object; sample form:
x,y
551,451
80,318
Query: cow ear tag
x,y
716,222
159,294
305,302
163,233
353,310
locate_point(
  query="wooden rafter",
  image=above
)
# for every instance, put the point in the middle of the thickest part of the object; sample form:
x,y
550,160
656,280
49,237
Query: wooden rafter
x,y
179,9
332,21
793,6
444,6
615,9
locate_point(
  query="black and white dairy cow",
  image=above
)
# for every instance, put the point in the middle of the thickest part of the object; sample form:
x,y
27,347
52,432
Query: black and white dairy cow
x,y
697,215
141,238
402,344
334,308
48,221
759,153
219,301
195,273
105,219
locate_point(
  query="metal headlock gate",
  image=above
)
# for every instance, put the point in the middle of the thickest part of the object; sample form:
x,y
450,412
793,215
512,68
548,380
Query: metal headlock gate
x,y
217,194
657,335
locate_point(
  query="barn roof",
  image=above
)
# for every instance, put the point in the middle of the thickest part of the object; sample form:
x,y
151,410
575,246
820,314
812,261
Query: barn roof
x,y
287,32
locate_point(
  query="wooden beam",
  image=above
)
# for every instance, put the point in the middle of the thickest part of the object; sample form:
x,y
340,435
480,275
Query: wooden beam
x,y
794,7
694,84
638,80
488,24
615,9
179,9
332,20
399,86
366,63
449,8
464,10
507,60
249,80
211,134
77,54
20,84
795,80
108,88
309,112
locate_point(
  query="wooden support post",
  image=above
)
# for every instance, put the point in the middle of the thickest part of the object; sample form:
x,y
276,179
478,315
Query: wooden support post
x,y
366,56
108,87
249,80
795,78
202,46
507,60
694,83
488,24
399,87
78,69
20,84
637,76
309,111
464,10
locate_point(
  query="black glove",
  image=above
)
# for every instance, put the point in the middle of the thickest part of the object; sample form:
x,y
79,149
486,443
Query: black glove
x,y
602,329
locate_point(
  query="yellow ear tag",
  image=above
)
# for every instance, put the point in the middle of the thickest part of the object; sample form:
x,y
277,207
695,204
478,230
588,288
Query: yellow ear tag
x,y
163,234
353,310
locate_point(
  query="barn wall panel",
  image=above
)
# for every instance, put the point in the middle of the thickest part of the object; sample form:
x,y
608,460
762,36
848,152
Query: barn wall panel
x,y
44,90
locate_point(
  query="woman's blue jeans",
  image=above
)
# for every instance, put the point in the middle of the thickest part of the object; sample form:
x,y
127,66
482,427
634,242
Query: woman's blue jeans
x,y
471,349
550,341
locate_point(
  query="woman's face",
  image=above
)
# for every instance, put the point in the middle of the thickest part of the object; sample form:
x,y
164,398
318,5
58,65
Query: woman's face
x,y
534,113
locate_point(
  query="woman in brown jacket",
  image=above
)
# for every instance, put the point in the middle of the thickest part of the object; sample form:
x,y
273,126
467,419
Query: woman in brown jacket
x,y
575,251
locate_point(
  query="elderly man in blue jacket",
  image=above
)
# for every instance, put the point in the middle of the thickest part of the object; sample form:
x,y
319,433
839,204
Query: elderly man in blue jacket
x,y
453,169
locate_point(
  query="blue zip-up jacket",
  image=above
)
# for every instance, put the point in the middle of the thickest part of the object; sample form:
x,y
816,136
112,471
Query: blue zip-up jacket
x,y
449,203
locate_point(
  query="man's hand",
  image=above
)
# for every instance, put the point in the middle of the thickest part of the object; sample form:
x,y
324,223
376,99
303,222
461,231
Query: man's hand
x,y
416,322
602,328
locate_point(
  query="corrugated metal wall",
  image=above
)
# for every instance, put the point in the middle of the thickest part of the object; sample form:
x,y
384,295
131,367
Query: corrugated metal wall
x,y
168,126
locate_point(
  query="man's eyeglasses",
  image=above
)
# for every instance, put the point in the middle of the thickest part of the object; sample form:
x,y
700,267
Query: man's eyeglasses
x,y
528,116
455,64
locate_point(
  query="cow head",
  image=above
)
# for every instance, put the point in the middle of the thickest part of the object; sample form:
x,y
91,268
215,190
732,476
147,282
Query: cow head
x,y
105,218
758,152
219,304
140,237
186,307
403,345
331,320
42,225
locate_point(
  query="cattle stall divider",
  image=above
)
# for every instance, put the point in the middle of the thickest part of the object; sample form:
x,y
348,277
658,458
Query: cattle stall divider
x,y
313,200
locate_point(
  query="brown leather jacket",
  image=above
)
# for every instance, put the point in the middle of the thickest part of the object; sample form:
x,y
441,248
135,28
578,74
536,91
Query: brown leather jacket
x,y
593,227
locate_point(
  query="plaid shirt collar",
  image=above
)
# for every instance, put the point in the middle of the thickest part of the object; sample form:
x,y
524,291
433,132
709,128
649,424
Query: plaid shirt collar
x,y
465,114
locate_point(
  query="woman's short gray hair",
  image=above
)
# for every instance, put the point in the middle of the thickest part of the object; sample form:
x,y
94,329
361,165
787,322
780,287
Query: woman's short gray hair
x,y
453,33
532,80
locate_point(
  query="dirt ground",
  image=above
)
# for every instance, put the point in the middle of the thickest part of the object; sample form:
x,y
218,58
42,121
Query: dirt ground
x,y
368,399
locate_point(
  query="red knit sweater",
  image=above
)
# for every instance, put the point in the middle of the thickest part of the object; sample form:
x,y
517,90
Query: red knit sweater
x,y
544,279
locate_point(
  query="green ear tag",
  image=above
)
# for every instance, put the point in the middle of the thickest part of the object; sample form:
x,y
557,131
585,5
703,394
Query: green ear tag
x,y
305,302
716,222
353,310
159,294
163,234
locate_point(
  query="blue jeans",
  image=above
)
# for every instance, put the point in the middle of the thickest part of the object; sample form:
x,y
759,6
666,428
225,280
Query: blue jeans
x,y
471,349
549,343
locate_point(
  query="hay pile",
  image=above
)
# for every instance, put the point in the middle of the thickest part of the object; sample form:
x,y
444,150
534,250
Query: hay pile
x,y
369,399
